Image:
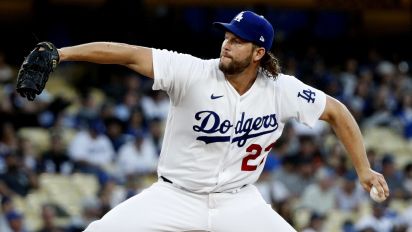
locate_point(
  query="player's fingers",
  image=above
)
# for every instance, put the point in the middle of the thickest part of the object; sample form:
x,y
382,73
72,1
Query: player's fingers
x,y
377,184
384,185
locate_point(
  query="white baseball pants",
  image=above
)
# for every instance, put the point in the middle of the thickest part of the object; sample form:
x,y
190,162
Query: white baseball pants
x,y
164,207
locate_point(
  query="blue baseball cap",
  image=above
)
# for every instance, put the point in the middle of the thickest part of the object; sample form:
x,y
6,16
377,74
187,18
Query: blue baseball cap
x,y
250,27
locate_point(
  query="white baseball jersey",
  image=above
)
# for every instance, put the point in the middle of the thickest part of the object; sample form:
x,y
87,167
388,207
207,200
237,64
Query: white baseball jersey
x,y
215,139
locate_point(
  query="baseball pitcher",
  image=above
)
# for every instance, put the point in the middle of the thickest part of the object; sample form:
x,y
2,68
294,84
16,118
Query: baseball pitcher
x,y
225,116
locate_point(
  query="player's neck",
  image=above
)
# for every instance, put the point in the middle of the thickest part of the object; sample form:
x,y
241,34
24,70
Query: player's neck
x,y
243,81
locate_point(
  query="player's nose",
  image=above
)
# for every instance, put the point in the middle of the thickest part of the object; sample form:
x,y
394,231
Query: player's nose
x,y
225,46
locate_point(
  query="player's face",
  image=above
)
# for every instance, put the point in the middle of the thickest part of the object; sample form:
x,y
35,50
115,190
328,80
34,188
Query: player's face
x,y
235,55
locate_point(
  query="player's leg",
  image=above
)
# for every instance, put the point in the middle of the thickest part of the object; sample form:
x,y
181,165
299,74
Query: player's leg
x,y
161,207
246,211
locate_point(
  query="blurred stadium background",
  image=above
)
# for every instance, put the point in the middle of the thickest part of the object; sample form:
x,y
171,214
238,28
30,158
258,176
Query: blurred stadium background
x,y
92,139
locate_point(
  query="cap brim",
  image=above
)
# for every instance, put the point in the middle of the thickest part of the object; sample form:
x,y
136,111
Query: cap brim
x,y
233,29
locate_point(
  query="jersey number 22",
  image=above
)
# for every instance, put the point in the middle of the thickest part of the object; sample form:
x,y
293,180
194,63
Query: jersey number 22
x,y
254,151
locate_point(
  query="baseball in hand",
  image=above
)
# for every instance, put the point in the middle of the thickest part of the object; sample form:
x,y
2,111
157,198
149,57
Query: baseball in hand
x,y
374,195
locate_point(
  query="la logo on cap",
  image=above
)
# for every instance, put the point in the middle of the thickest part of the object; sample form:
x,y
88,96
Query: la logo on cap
x,y
239,17
262,39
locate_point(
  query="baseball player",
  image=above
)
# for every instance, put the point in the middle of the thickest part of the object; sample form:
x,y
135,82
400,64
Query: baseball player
x,y
225,116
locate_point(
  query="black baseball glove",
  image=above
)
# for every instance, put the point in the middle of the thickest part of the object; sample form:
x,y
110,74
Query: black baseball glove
x,y
35,70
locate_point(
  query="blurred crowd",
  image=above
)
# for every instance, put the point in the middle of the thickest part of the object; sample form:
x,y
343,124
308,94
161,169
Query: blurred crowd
x,y
118,138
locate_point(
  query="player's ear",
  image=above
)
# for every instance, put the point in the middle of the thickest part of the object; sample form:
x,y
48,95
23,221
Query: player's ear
x,y
258,53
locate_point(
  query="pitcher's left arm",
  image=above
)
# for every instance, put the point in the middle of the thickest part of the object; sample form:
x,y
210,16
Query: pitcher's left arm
x,y
348,132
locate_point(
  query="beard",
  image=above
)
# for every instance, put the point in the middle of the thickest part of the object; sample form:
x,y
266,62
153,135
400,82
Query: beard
x,y
235,67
